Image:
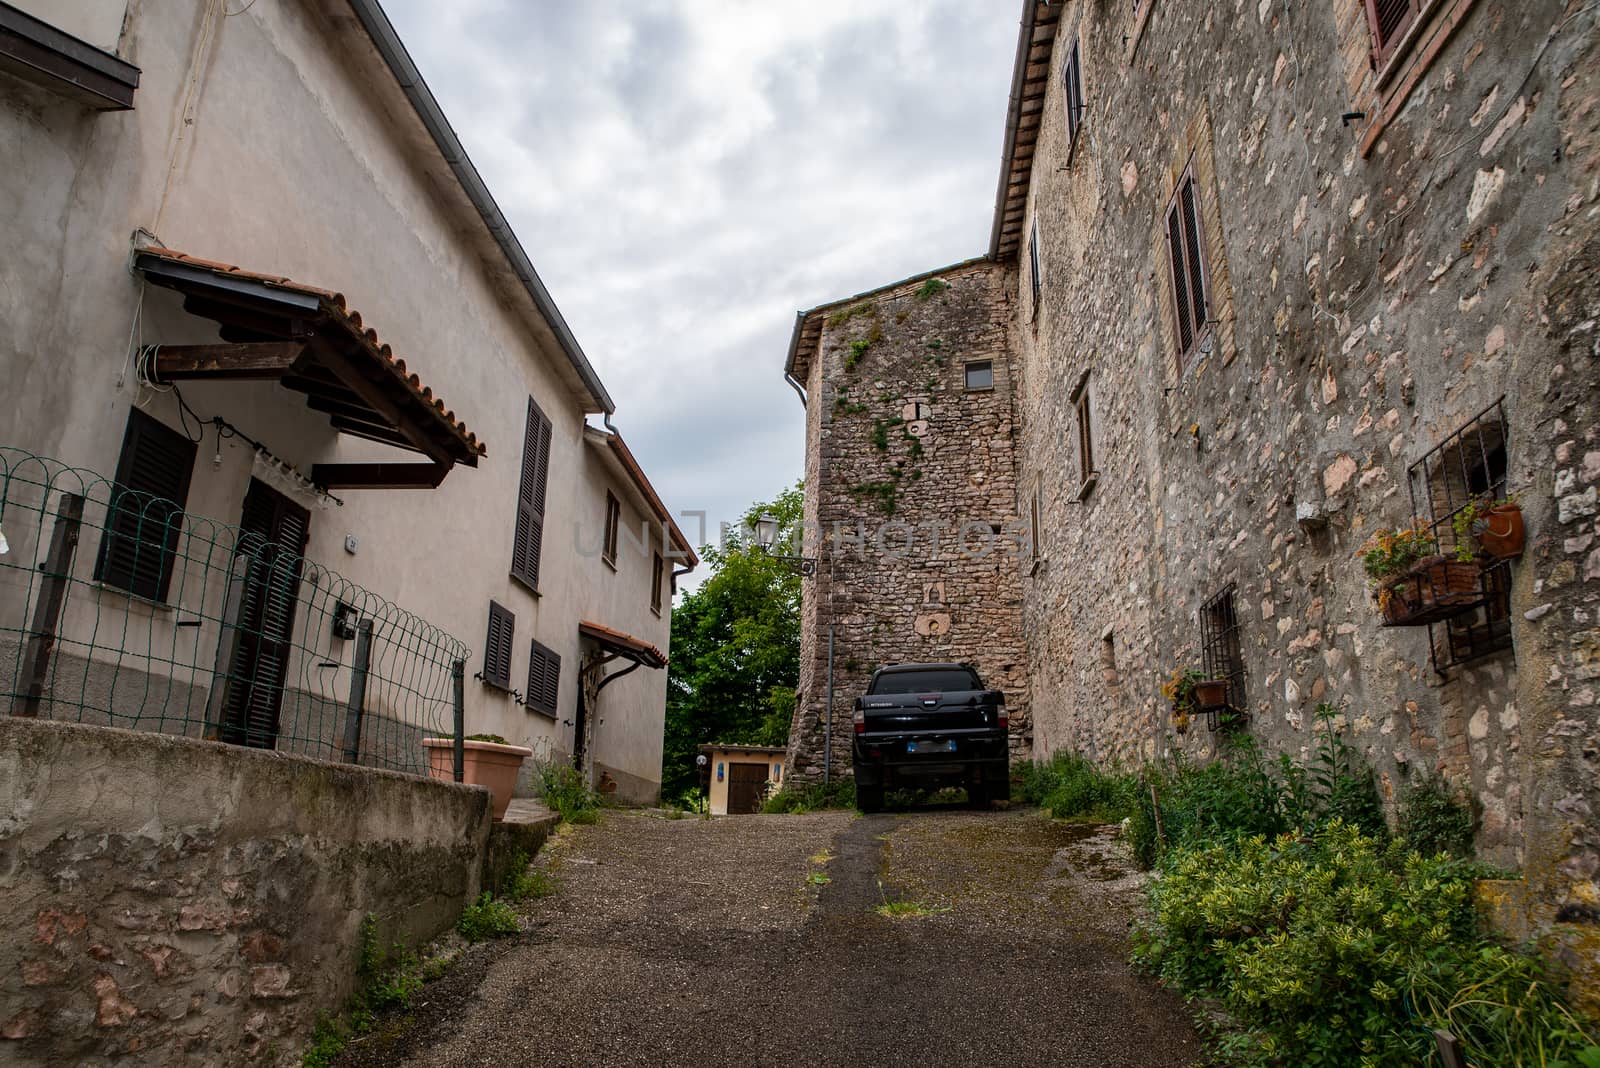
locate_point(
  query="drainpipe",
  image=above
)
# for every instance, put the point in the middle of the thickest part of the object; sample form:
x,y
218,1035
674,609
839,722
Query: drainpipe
x,y
827,726
796,386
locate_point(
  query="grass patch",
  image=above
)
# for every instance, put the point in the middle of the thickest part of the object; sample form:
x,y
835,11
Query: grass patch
x,y
1072,787
818,878
487,918
931,288
561,788
839,318
385,982
907,908
526,883
811,797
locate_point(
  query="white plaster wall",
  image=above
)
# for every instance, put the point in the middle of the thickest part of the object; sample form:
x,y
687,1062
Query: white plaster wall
x,y
98,22
300,157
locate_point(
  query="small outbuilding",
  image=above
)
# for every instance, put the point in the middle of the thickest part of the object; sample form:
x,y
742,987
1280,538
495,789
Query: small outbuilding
x,y
741,776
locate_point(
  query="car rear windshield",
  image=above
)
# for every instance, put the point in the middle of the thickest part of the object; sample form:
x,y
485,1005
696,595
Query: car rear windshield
x,y
940,680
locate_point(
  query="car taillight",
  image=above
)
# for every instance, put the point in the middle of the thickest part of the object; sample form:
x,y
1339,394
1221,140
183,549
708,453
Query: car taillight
x,y
861,721
1001,718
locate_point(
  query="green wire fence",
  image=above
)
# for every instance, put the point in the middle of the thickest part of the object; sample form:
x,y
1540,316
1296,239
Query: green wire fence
x,y
118,608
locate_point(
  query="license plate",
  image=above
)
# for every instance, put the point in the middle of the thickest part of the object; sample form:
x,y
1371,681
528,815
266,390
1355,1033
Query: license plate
x,y
931,747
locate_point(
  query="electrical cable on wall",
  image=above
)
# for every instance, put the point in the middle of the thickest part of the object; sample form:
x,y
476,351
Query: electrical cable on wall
x,y
145,365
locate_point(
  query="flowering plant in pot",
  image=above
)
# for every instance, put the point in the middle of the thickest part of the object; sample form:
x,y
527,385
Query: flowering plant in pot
x,y
1414,584
1179,689
486,760
1496,525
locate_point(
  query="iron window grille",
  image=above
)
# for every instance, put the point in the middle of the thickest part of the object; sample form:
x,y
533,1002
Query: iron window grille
x,y
1222,655
544,679
1466,467
1072,90
1191,284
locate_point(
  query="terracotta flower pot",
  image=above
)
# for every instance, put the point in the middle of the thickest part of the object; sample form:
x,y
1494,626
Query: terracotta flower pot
x,y
1432,590
1211,693
1503,535
482,764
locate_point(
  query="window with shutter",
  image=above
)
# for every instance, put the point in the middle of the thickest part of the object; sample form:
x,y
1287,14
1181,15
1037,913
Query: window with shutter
x,y
140,545
529,537
497,647
613,523
1185,246
1033,264
1072,93
1086,468
544,679
657,569
1389,20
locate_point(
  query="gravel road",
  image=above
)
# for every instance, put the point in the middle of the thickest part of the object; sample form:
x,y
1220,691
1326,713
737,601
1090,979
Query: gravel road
x,y
759,940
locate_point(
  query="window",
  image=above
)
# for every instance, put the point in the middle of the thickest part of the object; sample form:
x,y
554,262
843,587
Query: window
x,y
1035,550
1086,468
657,570
544,680
980,375
497,647
1034,279
1389,20
1191,298
613,521
1467,467
140,544
1221,655
529,536
1072,93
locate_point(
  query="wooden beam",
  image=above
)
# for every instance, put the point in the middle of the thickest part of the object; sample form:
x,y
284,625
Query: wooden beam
x,y
355,379
252,319
257,359
358,428
379,475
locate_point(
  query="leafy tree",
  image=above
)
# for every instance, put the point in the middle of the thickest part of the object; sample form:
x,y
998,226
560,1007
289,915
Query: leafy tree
x,y
735,650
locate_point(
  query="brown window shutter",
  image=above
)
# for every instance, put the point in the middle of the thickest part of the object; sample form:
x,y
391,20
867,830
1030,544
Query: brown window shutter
x,y
544,679
1072,84
1033,265
1198,297
139,549
1389,20
528,540
497,646
1180,290
1085,438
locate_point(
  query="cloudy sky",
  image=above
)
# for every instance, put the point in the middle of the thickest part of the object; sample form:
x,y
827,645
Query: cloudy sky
x,y
687,174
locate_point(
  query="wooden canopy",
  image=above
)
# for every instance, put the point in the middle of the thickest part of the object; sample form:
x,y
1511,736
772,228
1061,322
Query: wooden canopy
x,y
308,340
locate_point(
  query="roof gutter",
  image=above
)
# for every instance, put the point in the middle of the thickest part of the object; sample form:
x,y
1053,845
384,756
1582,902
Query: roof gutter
x,y
1019,75
794,350
394,53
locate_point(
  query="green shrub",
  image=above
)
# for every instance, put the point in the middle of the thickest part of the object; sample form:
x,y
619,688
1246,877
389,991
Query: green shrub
x,y
1436,817
1338,948
487,918
1071,786
798,799
523,882
562,789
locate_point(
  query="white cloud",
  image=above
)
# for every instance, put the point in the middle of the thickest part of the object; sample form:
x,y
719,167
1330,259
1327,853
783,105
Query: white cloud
x,y
687,174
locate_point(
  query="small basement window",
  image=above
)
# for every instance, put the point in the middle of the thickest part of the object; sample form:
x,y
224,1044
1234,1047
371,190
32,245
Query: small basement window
x,y
1467,467
980,375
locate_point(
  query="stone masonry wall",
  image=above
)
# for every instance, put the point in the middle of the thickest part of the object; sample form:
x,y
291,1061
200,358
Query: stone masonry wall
x,y
174,901
1374,289
901,453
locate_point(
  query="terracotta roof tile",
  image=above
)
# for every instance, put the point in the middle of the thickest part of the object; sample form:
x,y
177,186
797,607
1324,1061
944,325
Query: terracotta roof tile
x,y
335,305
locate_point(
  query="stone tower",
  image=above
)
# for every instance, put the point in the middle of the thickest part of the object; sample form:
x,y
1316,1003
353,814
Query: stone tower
x,y
910,497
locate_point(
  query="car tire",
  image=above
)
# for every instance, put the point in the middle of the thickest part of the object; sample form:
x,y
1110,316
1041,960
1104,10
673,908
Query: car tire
x,y
869,798
1001,791
978,795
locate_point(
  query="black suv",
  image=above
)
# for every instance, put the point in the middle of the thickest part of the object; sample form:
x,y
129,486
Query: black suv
x,y
930,725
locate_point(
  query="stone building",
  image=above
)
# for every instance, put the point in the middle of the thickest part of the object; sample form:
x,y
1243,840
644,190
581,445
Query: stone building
x,y
1265,277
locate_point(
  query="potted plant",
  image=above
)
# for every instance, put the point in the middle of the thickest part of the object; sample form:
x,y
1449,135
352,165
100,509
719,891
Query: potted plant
x,y
1179,689
1497,526
1413,583
486,760
1211,693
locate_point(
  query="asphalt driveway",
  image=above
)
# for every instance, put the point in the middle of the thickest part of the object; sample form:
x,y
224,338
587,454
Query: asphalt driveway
x,y
764,940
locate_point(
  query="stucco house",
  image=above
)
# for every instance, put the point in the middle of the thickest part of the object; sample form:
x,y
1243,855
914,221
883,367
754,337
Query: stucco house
x,y
253,271
740,777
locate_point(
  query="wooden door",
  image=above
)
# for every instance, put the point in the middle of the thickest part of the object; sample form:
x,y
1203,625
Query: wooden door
x,y
747,787
275,532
